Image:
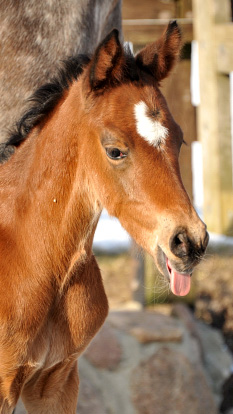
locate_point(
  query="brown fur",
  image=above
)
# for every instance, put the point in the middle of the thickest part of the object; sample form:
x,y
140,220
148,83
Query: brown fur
x,y
52,300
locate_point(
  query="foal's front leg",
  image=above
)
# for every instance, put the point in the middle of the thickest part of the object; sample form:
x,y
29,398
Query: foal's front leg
x,y
10,386
53,391
5,408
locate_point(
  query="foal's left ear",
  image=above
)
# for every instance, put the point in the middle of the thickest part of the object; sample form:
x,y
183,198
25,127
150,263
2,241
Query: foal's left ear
x,y
159,57
106,67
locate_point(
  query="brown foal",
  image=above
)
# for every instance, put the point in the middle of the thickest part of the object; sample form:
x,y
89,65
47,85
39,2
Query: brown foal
x,y
99,136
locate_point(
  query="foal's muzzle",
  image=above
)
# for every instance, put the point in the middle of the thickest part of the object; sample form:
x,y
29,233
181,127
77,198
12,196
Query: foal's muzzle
x,y
185,246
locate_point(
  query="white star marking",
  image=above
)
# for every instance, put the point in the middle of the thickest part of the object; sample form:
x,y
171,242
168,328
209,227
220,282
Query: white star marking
x,y
151,130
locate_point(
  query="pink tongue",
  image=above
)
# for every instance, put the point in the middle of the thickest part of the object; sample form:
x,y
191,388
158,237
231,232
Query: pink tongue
x,y
180,284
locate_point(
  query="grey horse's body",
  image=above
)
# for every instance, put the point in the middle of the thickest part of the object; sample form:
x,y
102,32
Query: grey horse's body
x,y
36,35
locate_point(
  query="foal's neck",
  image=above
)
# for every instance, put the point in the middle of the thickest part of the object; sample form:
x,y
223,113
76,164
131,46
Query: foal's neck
x,y
54,205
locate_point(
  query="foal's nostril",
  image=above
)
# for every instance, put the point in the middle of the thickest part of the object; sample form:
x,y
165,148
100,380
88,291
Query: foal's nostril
x,y
179,244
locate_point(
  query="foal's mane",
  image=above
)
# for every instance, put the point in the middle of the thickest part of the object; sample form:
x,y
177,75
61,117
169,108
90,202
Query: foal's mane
x,y
43,102
47,97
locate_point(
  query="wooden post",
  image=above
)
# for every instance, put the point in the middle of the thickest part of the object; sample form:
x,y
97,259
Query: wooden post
x,y
138,270
214,112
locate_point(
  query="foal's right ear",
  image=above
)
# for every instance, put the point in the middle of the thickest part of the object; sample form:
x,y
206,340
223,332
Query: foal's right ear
x,y
159,57
106,64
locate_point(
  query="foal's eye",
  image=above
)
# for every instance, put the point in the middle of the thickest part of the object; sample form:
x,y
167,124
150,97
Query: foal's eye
x,y
115,153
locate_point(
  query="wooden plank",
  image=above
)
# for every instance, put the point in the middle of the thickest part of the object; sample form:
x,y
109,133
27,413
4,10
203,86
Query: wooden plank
x,y
184,8
225,155
141,32
156,9
143,22
213,120
138,272
221,10
208,114
147,9
224,47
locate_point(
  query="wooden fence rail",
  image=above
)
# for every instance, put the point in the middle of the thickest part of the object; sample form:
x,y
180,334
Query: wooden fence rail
x,y
213,31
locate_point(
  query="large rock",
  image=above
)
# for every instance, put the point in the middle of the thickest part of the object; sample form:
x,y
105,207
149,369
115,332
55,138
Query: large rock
x,y
91,401
158,368
105,350
148,326
146,362
168,383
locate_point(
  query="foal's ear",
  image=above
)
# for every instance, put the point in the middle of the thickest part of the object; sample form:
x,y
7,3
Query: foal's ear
x,y
160,57
106,66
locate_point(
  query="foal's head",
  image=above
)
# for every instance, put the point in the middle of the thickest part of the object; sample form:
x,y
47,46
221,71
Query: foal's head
x,y
133,149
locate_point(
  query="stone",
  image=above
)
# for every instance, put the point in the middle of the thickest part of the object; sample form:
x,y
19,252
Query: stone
x,y
20,409
185,315
168,383
227,398
90,400
217,359
147,334
148,362
148,326
104,350
164,308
